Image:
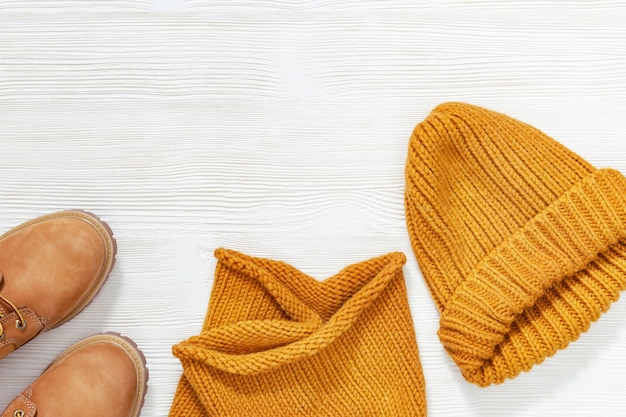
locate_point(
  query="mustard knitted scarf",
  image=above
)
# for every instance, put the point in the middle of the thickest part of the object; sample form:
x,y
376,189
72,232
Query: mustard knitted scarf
x,y
276,342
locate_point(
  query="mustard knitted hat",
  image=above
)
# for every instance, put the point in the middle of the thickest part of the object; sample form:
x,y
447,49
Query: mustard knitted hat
x,y
276,342
521,241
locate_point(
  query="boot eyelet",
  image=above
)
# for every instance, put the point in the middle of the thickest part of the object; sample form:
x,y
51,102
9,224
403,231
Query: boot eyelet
x,y
18,413
20,325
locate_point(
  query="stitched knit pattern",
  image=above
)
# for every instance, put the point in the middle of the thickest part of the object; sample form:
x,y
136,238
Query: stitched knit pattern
x,y
520,240
276,342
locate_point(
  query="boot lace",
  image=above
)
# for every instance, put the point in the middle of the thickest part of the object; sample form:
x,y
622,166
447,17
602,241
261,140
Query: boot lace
x,y
20,323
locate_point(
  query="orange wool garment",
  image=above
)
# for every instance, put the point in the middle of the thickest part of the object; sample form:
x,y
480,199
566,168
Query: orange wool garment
x,y
278,343
521,241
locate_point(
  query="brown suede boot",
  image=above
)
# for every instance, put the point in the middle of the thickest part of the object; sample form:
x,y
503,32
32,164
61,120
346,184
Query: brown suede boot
x,y
103,375
50,269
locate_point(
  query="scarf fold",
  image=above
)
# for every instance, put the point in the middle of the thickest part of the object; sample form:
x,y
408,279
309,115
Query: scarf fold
x,y
278,342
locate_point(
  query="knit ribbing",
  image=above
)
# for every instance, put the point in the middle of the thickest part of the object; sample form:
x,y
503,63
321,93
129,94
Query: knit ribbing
x,y
277,342
518,238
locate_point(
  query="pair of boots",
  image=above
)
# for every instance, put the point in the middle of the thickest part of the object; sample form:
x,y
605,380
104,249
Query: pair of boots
x,y
50,269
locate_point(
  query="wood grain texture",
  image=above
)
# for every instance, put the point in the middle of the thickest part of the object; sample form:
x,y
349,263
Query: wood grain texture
x,y
279,128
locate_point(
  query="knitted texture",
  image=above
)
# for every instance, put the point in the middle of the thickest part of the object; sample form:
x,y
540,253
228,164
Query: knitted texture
x,y
520,241
276,342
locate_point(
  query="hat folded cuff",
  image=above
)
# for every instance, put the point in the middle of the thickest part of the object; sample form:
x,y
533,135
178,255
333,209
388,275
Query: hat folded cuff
x,y
540,288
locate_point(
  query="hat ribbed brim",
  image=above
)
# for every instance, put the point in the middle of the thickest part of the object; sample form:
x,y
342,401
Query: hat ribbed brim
x,y
543,286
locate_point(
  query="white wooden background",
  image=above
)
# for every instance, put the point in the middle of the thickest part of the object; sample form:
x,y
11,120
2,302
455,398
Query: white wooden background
x,y
279,128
